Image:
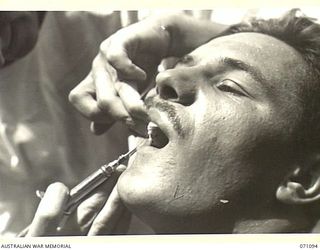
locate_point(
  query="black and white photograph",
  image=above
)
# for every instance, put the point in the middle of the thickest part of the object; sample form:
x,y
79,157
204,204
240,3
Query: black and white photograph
x,y
160,122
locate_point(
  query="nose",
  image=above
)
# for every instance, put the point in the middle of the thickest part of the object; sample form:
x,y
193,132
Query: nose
x,y
177,85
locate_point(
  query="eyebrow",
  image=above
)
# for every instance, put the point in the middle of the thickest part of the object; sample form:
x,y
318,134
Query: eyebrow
x,y
256,74
241,65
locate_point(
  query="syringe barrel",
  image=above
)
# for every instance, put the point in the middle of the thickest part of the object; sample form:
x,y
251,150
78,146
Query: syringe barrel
x,y
89,184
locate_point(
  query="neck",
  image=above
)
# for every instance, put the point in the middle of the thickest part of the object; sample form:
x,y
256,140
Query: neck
x,y
279,219
281,223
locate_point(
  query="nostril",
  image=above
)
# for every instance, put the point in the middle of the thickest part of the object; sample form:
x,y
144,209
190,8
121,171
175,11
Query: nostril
x,y
168,93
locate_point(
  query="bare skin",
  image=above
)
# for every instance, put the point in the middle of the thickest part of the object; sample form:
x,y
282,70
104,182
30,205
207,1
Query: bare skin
x,y
126,64
231,130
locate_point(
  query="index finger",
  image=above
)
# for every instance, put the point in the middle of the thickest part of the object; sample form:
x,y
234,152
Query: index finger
x,y
115,52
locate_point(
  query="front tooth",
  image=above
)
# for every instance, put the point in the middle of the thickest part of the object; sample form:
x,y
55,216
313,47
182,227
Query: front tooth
x,y
151,126
151,129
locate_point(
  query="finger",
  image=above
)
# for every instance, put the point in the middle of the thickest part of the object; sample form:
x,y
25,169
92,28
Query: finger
x,y
109,216
99,128
50,211
120,169
107,99
92,205
123,225
115,53
131,100
137,127
80,221
83,98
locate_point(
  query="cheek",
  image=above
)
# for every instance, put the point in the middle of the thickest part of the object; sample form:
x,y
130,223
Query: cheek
x,y
233,149
212,179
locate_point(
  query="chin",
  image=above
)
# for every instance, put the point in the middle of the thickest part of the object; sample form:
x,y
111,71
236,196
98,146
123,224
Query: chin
x,y
141,183
139,196
147,186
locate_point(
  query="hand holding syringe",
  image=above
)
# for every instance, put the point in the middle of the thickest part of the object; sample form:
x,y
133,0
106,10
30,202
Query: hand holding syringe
x,y
86,187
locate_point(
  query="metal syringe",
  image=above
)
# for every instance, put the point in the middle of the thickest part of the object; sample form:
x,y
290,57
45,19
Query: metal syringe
x,y
95,179
86,186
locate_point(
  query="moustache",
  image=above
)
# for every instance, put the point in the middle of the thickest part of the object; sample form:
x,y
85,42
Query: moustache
x,y
170,110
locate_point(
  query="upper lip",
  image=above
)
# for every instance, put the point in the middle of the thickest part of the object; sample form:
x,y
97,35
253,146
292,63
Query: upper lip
x,y
166,126
164,115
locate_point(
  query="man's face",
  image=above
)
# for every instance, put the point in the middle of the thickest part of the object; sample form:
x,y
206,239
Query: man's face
x,y
230,111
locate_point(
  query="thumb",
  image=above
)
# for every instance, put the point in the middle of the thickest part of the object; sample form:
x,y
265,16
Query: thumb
x,y
50,211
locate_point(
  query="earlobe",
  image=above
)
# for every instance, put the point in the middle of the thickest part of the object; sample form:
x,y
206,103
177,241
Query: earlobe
x,y
292,191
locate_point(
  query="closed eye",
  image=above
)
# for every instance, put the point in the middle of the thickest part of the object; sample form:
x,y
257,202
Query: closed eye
x,y
232,87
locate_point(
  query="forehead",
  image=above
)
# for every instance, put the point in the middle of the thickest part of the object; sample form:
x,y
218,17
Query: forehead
x,y
280,64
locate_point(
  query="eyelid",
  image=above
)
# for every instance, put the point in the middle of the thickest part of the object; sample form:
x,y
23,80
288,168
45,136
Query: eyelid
x,y
246,93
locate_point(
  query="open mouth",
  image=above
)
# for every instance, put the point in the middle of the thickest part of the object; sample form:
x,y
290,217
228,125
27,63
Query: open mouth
x,y
158,138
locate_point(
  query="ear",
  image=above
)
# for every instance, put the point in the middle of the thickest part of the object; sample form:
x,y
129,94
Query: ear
x,y
302,185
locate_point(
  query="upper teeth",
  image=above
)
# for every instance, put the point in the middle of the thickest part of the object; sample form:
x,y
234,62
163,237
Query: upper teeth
x,y
150,128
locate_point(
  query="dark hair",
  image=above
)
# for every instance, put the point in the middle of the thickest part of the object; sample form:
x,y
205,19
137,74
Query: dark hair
x,y
303,34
